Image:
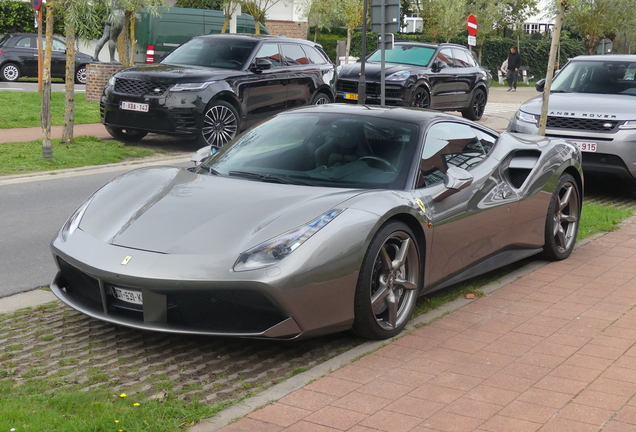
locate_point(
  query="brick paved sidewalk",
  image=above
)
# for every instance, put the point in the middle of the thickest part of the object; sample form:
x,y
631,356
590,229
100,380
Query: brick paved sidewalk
x,y
35,133
553,351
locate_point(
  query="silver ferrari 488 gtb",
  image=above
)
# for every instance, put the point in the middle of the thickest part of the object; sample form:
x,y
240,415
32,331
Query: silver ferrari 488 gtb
x,y
318,220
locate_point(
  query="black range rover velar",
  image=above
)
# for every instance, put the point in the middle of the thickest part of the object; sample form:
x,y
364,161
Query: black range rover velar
x,y
214,86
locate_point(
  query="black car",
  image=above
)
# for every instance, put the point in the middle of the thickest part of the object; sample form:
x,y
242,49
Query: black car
x,y
214,86
443,77
19,58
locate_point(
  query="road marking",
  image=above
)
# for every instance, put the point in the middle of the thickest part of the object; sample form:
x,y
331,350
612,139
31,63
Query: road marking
x,y
14,89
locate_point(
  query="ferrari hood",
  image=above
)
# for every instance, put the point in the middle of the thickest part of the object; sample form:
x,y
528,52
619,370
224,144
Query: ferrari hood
x,y
171,210
585,105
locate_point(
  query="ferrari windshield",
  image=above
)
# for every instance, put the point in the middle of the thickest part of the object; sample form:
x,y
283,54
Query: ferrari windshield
x,y
321,149
405,54
605,77
211,52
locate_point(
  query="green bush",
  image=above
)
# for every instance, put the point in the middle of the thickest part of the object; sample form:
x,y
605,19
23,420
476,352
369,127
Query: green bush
x,y
18,17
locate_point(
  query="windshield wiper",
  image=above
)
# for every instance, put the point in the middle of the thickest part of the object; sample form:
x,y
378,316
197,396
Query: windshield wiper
x,y
265,177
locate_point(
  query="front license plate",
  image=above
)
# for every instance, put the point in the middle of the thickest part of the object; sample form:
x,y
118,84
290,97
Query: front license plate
x,y
128,296
351,96
134,106
586,146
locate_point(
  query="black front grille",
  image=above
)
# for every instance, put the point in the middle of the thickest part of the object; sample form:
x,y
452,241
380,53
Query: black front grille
x,y
157,121
602,159
135,87
597,125
80,286
373,89
224,310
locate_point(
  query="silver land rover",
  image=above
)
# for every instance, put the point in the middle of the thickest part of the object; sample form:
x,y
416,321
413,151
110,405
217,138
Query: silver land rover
x,y
592,104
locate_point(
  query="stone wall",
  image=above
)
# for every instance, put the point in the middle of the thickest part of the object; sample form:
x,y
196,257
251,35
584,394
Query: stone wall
x,y
294,29
98,75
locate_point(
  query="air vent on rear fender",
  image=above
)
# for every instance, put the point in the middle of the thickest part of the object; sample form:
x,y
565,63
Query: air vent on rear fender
x,y
520,166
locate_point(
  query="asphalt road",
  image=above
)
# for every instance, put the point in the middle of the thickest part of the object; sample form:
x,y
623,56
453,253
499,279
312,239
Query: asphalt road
x,y
33,86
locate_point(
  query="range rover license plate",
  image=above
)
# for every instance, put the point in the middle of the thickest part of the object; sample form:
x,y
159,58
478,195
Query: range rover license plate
x,y
351,96
128,296
134,106
586,146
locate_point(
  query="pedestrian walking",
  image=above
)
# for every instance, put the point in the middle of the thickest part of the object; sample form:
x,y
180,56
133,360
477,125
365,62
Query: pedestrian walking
x,y
514,63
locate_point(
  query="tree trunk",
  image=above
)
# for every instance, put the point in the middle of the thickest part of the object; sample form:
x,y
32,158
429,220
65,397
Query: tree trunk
x,y
316,34
348,47
47,149
69,104
257,25
226,23
126,40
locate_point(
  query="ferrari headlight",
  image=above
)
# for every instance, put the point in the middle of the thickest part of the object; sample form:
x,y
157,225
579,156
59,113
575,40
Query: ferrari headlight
x,y
191,86
526,117
399,76
73,222
274,250
629,124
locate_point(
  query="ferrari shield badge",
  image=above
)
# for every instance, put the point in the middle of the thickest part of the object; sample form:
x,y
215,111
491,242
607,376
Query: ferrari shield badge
x,y
421,205
126,260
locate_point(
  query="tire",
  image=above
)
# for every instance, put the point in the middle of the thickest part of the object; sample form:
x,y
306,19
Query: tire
x,y
320,99
477,106
9,72
126,135
220,124
562,220
387,287
421,98
80,75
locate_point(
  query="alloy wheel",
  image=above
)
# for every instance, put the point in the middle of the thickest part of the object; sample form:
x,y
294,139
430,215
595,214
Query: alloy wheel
x,y
566,217
394,281
220,125
479,104
10,72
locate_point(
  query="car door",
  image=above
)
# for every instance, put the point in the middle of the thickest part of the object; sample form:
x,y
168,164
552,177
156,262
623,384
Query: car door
x,y
58,59
443,80
466,76
26,52
302,75
264,92
472,223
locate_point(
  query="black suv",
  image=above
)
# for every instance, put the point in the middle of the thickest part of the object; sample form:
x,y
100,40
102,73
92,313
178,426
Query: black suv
x,y
19,58
443,77
214,86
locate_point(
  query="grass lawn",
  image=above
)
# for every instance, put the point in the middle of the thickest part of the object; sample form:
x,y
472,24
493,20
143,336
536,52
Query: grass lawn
x,y
25,157
22,109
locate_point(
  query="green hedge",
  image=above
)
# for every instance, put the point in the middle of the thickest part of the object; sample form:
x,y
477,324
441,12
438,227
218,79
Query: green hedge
x,y
18,17
534,52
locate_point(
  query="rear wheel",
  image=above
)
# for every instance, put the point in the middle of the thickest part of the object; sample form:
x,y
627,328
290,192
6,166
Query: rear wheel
x,y
9,72
320,99
477,106
80,75
126,135
388,284
562,221
421,98
220,124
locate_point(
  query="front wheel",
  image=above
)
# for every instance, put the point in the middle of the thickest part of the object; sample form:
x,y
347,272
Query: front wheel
x,y
126,135
562,220
388,283
220,124
320,99
477,106
9,72
421,98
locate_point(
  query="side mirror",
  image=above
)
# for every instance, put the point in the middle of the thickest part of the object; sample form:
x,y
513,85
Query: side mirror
x,y
261,64
540,85
201,155
456,179
437,66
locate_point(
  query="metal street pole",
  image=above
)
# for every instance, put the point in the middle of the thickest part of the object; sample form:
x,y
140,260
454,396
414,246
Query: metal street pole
x,y
40,50
362,83
382,52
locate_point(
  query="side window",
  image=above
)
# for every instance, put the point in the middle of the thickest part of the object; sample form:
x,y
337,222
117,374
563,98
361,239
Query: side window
x,y
445,57
58,45
26,42
448,144
269,51
461,58
294,55
314,55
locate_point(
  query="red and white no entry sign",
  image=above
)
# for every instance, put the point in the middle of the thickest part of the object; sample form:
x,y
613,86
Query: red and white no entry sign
x,y
471,25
